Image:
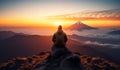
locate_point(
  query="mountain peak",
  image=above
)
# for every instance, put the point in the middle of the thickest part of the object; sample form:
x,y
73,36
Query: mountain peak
x,y
79,23
80,26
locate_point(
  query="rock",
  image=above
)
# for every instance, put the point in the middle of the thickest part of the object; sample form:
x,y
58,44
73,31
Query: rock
x,y
97,60
64,62
30,60
89,59
59,51
71,62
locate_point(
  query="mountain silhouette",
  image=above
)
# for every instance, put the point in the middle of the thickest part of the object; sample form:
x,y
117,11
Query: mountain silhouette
x,y
6,34
17,45
116,32
80,26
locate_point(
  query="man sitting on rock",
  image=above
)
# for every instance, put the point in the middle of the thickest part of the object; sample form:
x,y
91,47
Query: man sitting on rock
x,y
59,39
61,58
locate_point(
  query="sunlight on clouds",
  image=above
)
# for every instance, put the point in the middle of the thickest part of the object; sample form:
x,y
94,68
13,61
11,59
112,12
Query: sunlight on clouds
x,y
102,23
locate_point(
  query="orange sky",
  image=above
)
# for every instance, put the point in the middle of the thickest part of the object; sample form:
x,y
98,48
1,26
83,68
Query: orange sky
x,y
31,13
53,22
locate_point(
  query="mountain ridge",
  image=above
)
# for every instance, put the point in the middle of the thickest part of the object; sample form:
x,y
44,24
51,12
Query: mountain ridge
x,y
115,32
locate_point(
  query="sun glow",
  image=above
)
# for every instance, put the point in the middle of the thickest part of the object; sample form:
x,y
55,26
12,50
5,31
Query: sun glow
x,y
57,23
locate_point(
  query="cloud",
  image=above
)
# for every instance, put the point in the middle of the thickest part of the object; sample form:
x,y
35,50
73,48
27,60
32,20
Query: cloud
x,y
99,33
105,14
103,44
98,37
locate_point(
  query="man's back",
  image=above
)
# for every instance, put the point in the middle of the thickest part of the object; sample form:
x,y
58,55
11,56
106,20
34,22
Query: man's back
x,y
59,37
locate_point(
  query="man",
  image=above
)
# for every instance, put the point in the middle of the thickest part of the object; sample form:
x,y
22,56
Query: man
x,y
59,38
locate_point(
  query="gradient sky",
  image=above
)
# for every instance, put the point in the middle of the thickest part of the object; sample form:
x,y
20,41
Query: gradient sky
x,y
33,10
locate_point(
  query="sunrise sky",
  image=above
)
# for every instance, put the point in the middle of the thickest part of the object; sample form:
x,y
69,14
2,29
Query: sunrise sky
x,y
35,12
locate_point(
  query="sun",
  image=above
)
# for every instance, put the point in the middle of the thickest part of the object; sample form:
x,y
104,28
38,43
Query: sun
x,y
57,23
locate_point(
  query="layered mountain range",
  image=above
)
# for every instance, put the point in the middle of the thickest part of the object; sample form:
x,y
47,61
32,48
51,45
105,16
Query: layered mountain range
x,y
18,51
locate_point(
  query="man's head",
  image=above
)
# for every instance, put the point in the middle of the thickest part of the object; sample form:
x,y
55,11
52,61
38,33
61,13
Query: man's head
x,y
59,27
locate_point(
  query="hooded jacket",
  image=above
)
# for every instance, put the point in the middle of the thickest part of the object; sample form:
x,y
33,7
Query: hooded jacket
x,y
59,37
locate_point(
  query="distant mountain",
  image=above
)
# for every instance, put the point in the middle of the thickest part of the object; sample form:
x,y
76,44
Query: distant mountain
x,y
116,32
8,34
80,26
17,45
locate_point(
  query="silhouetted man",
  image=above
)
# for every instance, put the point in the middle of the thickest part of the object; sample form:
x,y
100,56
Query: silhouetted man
x,y
59,38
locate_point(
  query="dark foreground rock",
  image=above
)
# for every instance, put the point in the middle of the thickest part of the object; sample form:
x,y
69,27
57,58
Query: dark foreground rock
x,y
38,61
61,59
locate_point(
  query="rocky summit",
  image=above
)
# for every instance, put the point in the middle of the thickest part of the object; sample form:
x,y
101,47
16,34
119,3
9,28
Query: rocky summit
x,y
44,61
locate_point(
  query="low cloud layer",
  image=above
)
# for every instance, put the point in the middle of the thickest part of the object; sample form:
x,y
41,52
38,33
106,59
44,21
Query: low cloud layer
x,y
99,33
103,44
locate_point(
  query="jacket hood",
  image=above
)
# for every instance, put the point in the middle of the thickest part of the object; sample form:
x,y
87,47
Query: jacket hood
x,y
59,31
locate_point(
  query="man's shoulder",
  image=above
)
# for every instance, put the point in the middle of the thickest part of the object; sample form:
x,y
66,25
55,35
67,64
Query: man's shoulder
x,y
64,33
